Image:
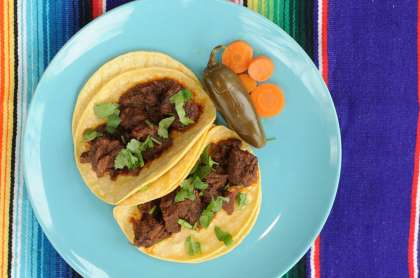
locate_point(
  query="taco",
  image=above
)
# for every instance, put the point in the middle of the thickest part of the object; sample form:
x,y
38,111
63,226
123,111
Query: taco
x,y
208,214
123,63
137,127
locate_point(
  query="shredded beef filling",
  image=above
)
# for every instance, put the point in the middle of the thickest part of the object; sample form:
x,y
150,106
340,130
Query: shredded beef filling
x,y
141,109
234,168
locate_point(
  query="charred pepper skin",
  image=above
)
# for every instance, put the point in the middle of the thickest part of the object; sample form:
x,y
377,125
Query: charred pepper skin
x,y
232,101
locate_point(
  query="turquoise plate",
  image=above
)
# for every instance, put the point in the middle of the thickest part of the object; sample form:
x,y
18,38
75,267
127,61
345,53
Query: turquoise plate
x,y
300,169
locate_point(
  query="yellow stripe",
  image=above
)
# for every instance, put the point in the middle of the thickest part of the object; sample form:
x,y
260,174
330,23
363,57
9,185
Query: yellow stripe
x,y
7,131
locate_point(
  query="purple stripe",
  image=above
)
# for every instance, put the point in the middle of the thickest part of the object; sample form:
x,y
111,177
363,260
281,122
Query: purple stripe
x,y
110,4
373,81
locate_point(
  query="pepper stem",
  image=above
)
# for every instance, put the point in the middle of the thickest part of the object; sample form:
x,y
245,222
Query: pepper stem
x,y
212,60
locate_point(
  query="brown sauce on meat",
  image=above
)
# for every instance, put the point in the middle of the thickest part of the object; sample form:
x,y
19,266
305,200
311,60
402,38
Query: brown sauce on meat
x,y
235,168
141,109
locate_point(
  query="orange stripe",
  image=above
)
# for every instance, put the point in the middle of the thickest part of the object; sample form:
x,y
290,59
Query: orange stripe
x,y
2,92
6,126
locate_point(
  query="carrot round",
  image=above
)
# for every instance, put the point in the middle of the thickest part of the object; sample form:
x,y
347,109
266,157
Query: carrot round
x,y
237,56
261,68
249,83
268,100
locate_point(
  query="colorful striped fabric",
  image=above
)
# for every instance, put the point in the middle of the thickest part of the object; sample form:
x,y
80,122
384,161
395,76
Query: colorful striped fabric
x,y
31,32
368,53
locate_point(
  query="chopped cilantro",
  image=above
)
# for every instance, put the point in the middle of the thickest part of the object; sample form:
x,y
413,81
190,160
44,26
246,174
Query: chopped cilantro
x,y
206,159
126,159
214,206
186,191
111,113
164,124
193,247
105,110
152,210
135,146
223,236
185,224
202,171
241,199
131,157
179,100
113,121
204,166
91,134
148,143
205,218
198,184
156,140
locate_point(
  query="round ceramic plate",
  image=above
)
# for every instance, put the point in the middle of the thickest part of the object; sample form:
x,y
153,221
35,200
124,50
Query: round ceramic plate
x,y
300,168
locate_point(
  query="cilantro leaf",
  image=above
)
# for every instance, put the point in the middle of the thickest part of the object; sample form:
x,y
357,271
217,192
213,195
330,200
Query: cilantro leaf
x,y
134,146
137,147
216,204
193,247
202,171
241,199
223,236
206,159
126,159
186,191
148,143
184,224
198,184
205,218
156,140
104,110
91,134
113,121
164,124
179,100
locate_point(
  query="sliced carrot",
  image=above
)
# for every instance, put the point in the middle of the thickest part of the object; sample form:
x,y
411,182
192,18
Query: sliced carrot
x,y
249,83
261,68
268,100
237,56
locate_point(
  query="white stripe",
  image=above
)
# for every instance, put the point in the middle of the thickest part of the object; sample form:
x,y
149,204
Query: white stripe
x,y
103,6
16,225
320,4
312,261
416,227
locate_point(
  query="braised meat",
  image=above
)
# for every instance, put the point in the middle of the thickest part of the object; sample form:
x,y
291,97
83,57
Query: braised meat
x,y
242,167
149,231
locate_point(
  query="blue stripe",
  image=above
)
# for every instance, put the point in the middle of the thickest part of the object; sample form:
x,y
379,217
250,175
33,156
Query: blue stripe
x,y
373,81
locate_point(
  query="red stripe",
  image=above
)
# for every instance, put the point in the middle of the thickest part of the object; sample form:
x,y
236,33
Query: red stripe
x,y
317,265
324,49
411,247
325,41
97,8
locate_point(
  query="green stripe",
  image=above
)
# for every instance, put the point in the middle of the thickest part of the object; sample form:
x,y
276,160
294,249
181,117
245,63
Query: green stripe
x,y
295,17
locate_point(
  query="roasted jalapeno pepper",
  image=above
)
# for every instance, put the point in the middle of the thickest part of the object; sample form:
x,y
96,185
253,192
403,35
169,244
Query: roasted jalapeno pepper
x,y
232,101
